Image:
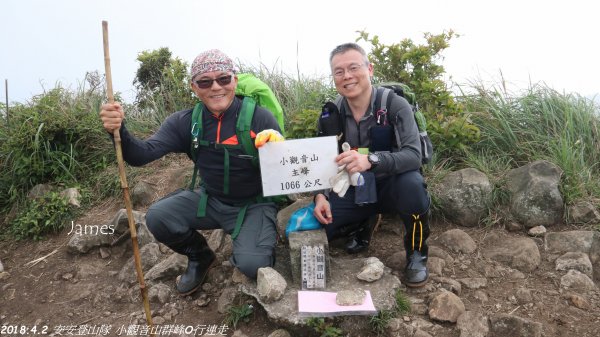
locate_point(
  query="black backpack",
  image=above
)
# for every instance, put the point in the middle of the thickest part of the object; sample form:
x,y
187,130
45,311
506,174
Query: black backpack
x,y
332,118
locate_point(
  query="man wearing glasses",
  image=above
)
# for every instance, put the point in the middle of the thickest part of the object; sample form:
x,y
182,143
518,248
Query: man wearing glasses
x,y
231,183
392,166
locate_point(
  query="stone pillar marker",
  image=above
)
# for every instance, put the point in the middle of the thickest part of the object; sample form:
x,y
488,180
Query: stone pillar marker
x,y
312,246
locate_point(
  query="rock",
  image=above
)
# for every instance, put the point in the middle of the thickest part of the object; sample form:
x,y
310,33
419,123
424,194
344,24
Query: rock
x,y
464,196
238,277
83,243
144,236
523,296
534,194
120,221
421,333
238,333
226,299
583,212
458,241
576,261
446,307
72,195
150,255
39,191
571,241
284,215
372,270
472,324
159,293
142,194
579,302
436,251
576,280
504,325
216,239
448,284
537,231
513,226
158,320
399,328
435,265
397,261
1,266
203,300
350,297
519,253
170,267
270,284
473,283
280,333
481,296
308,238
343,276
104,252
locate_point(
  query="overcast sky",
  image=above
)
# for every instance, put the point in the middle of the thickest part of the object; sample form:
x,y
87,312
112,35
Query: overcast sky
x,y
45,42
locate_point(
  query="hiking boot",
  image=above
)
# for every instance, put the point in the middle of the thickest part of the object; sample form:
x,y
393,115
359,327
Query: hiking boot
x,y
200,259
416,273
194,275
360,239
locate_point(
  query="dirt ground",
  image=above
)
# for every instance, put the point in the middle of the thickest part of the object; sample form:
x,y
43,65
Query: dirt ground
x,y
56,292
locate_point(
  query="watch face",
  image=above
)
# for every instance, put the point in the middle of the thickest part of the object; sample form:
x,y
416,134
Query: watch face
x,y
373,159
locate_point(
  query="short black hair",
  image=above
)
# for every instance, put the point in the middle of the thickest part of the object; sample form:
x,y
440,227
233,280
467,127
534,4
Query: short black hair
x,y
345,47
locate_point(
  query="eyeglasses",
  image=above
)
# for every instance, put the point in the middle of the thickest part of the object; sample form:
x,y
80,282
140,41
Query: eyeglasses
x,y
206,83
353,69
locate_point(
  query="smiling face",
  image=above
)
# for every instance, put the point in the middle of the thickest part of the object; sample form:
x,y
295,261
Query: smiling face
x,y
351,74
217,97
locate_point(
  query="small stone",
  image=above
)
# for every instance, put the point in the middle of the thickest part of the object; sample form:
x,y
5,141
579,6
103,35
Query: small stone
x,y
279,333
523,296
104,252
481,296
158,320
67,276
350,297
203,300
4,275
537,231
513,226
1,267
579,302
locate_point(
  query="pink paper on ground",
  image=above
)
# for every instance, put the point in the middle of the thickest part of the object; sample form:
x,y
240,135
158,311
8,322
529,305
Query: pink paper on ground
x,y
322,303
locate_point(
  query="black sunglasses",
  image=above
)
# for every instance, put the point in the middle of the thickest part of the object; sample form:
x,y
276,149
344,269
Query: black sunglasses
x,y
206,83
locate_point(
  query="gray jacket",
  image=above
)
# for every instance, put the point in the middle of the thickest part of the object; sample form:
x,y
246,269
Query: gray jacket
x,y
406,150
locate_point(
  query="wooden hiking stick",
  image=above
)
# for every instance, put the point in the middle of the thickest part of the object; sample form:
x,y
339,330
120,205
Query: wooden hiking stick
x,y
123,177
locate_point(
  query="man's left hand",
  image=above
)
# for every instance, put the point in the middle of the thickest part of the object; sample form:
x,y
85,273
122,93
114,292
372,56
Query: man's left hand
x,y
268,135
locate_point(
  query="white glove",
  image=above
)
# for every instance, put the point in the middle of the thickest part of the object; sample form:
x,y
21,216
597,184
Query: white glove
x,y
342,181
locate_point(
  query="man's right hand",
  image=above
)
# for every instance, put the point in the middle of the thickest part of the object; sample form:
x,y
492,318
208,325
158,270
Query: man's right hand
x,y
322,210
112,116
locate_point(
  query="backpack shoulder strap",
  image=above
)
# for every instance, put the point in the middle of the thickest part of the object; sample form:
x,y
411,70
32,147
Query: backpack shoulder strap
x,y
196,130
243,127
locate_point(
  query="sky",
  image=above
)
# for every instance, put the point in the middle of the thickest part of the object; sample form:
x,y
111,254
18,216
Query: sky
x,y
523,42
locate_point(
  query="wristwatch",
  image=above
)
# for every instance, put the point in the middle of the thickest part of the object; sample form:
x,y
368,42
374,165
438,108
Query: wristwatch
x,y
374,160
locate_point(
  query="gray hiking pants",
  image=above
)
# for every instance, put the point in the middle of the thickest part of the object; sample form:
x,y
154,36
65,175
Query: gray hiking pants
x,y
172,217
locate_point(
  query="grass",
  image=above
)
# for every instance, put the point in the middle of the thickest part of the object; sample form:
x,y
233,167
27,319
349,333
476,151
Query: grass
x,y
379,322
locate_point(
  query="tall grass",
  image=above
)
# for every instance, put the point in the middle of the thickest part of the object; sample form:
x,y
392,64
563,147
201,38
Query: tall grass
x,y
538,124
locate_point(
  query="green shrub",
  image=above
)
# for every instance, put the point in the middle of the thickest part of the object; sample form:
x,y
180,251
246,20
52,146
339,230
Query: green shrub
x,y
235,314
47,214
55,138
450,128
324,328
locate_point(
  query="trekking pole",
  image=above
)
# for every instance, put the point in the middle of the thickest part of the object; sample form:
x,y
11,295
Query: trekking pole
x,y
123,177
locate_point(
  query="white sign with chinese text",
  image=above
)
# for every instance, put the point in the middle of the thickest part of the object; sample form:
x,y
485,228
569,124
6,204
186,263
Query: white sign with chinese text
x,y
299,165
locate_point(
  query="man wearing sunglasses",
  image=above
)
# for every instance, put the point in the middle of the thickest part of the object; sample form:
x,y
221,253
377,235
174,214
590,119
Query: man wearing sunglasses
x,y
231,193
387,154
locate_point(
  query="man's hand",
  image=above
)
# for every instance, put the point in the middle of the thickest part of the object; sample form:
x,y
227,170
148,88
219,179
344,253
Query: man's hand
x,y
112,116
354,162
322,210
268,135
